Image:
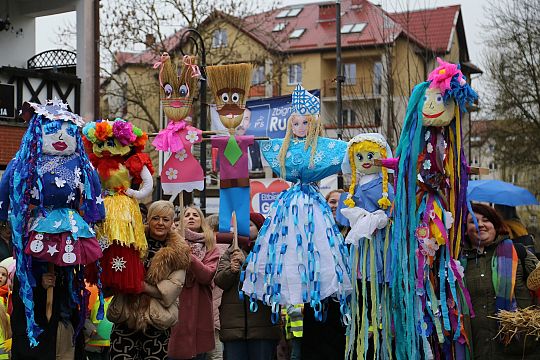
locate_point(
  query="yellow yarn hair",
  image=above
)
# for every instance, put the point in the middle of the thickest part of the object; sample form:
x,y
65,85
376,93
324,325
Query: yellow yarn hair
x,y
367,145
314,131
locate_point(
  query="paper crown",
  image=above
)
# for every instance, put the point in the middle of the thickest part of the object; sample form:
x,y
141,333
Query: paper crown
x,y
53,110
303,102
373,137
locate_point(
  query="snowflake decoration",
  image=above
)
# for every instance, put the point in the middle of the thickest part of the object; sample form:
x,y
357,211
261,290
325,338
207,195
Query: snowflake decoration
x,y
59,182
70,198
429,148
335,161
192,136
118,263
288,154
331,144
275,163
318,157
57,224
428,134
427,164
35,193
276,147
266,146
181,155
171,173
99,199
78,172
295,173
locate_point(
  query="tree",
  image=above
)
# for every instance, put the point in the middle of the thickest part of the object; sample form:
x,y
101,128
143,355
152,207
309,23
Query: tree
x,y
147,28
513,76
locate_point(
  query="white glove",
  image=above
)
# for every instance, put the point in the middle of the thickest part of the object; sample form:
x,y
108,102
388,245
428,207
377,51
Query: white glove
x,y
146,186
363,223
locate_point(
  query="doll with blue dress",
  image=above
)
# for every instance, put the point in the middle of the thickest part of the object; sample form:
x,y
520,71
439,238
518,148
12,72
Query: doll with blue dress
x,y
366,208
300,256
51,194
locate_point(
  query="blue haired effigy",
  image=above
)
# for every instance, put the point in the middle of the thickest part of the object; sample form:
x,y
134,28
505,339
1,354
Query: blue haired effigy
x,y
420,310
24,177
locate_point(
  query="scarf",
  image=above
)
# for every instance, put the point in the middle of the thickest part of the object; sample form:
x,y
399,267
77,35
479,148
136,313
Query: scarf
x,y
504,268
196,242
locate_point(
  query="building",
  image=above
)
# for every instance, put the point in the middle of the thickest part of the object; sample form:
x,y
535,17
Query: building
x,y
384,55
27,76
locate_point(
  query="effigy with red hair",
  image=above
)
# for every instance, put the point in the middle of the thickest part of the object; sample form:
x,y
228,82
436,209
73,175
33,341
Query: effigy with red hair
x,y
115,150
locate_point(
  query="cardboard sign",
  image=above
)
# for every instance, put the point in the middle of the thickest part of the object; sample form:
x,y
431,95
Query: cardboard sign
x,y
7,101
264,192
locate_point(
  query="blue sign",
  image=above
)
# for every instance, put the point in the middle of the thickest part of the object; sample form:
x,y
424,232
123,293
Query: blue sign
x,y
269,116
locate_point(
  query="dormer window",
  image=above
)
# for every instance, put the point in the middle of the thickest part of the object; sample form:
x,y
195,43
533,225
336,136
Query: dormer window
x,y
219,38
296,33
280,26
353,28
294,12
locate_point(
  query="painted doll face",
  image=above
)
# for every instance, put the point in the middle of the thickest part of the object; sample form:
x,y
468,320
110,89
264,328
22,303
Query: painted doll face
x,y
230,107
363,160
176,91
435,112
300,125
59,138
110,147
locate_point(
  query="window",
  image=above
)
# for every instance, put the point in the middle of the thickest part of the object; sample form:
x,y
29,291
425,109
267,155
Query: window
x,y
377,78
349,70
296,33
349,117
258,76
294,12
352,28
289,13
220,38
295,74
358,27
345,29
492,166
279,26
282,14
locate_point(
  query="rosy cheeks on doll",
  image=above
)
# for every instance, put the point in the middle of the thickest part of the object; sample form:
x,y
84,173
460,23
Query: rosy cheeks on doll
x,y
299,126
435,112
364,161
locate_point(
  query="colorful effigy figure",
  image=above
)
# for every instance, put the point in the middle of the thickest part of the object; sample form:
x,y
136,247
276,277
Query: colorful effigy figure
x,y
230,86
429,299
367,210
51,195
181,171
300,256
115,149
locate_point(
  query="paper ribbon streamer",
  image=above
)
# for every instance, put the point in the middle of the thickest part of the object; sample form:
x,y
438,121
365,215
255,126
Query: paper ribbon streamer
x,y
195,70
159,64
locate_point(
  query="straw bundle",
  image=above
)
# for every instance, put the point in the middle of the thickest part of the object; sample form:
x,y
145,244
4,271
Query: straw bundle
x,y
227,77
523,322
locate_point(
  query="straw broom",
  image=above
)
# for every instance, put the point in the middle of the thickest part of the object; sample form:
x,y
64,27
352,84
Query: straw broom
x,y
522,322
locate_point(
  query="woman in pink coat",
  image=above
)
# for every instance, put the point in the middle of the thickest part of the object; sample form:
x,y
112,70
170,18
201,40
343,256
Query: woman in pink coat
x,y
193,335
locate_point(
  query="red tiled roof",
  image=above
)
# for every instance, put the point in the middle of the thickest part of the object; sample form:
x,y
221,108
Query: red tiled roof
x,y
432,27
429,28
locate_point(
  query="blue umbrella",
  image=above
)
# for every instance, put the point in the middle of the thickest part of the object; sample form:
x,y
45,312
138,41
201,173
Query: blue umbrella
x,y
499,192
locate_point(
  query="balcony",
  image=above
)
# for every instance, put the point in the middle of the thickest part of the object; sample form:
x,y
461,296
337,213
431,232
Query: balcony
x,y
352,89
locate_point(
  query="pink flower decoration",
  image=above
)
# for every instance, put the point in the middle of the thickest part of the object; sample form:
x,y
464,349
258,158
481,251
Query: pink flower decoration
x,y
440,77
123,132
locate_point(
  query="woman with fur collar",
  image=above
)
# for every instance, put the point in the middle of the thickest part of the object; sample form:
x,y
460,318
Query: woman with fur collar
x,y
151,314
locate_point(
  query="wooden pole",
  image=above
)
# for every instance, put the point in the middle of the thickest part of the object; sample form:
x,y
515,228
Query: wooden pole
x,y
235,231
50,292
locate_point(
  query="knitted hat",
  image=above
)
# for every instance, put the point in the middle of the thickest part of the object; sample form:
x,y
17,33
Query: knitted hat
x,y
257,218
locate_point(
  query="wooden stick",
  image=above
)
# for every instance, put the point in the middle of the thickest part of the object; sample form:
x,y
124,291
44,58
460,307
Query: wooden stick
x,y
235,231
50,293
182,229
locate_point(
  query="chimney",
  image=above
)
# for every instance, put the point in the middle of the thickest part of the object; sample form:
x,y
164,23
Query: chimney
x,y
150,40
327,12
